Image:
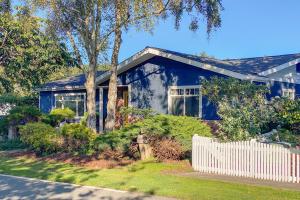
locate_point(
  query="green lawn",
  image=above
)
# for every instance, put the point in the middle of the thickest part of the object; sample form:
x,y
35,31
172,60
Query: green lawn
x,y
148,177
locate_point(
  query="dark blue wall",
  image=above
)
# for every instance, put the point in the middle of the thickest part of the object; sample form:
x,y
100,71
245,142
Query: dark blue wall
x,y
150,82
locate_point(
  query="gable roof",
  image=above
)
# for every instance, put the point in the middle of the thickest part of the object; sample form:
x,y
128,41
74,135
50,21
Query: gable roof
x,y
72,82
255,68
254,65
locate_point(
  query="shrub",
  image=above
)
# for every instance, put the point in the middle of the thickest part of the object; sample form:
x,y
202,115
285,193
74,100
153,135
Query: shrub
x,y
242,107
284,135
167,149
179,128
59,115
12,145
23,114
41,137
78,138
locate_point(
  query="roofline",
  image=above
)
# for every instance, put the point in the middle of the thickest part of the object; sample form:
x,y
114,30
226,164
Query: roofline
x,y
48,89
279,67
149,52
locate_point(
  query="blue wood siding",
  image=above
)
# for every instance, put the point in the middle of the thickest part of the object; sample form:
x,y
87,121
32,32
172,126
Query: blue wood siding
x,y
150,82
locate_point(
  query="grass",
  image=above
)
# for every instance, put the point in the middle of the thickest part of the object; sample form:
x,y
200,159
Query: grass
x,y
148,177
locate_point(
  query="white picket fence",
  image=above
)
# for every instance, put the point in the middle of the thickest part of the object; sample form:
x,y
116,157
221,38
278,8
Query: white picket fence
x,y
246,159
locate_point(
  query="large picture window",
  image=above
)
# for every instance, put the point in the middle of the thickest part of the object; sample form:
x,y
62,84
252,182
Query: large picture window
x,y
185,100
75,102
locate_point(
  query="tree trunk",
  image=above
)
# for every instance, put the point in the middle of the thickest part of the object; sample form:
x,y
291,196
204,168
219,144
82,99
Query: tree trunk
x,y
90,86
112,88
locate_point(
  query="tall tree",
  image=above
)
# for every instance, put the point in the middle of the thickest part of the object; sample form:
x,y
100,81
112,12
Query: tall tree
x,y
143,14
5,6
80,21
27,55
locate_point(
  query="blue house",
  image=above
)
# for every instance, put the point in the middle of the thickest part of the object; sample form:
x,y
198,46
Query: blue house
x,y
170,82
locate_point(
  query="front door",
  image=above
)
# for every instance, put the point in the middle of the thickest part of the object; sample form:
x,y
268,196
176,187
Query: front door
x,y
122,100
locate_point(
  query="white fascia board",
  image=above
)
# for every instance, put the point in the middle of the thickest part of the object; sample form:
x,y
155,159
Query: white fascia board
x,y
279,67
61,88
150,52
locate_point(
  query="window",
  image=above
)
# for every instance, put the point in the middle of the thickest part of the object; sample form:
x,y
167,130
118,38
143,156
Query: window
x,y
75,102
289,93
185,100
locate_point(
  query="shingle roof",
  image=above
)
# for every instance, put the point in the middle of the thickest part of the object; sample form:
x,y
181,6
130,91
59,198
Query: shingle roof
x,y
73,81
253,65
245,66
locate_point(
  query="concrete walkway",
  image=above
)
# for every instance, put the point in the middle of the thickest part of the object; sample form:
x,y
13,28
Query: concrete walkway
x,y
12,187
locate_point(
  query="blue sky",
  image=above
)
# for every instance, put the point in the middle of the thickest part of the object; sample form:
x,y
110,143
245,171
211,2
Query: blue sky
x,y
249,28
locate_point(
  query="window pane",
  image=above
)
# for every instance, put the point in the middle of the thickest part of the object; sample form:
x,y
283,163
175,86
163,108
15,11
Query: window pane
x,y
80,108
192,106
71,105
177,105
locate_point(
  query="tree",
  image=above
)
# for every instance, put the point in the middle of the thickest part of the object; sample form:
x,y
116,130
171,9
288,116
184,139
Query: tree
x,y
143,14
91,25
5,6
81,24
27,55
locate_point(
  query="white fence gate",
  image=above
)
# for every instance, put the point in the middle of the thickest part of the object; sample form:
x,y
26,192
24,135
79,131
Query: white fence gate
x,y
246,159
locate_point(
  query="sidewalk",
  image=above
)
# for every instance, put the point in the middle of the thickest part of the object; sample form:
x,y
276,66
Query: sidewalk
x,y
243,180
12,187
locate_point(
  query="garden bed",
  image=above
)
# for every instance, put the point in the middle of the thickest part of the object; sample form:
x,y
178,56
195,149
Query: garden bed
x,y
89,161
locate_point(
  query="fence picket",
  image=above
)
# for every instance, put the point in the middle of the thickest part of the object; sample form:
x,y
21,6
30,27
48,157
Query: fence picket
x,y
245,159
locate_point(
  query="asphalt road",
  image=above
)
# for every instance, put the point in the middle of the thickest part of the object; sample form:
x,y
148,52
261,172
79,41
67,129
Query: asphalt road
x,y
12,187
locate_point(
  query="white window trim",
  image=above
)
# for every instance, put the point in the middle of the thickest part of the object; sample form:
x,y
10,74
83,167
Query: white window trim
x,y
185,87
71,94
290,90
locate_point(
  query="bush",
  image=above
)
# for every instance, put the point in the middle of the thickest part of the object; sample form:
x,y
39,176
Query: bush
x,y
12,145
23,114
78,138
59,115
284,135
179,128
167,149
41,137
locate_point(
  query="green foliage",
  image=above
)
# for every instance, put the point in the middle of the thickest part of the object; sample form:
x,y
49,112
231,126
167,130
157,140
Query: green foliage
x,y
59,115
78,138
3,126
180,128
23,114
41,137
136,112
245,119
233,90
28,55
12,145
285,135
288,111
17,100
242,107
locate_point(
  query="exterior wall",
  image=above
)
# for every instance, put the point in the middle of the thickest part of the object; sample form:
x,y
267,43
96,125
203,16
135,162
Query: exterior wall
x,y
150,81
47,99
276,88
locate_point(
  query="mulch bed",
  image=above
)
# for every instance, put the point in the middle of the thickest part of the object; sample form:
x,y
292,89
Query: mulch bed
x,y
92,161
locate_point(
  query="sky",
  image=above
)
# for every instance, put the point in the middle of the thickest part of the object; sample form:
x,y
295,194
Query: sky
x,y
250,28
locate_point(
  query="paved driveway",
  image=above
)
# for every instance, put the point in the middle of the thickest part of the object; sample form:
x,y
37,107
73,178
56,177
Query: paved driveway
x,y
12,187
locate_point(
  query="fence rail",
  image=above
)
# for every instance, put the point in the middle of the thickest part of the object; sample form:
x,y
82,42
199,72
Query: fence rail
x,y
246,159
